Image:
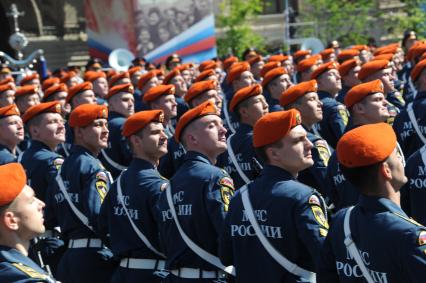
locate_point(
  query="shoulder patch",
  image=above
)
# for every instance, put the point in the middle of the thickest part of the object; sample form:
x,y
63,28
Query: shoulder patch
x,y
343,113
323,150
101,187
227,182
411,220
30,271
314,200
422,238
226,193
319,216
58,163
323,232
102,176
163,187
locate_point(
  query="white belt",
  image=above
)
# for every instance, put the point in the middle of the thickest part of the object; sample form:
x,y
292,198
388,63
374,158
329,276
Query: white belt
x,y
196,273
142,263
85,243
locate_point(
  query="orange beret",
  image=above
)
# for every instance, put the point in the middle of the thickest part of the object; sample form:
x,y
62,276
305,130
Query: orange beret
x,y
359,92
366,145
347,54
296,91
135,69
387,56
272,74
85,114
324,68
274,126
360,47
7,80
255,59
386,50
139,120
54,89
157,91
185,67
371,67
204,75
68,76
115,78
278,58
26,89
111,73
77,89
420,59
325,54
236,70
207,65
50,82
9,110
145,78
159,72
417,70
416,51
29,78
171,75
92,76
300,53
306,64
204,109
269,66
229,61
6,87
348,65
198,88
243,94
128,88
16,178
46,107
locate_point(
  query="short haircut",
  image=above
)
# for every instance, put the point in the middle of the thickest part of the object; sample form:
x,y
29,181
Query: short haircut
x,y
242,104
261,151
365,178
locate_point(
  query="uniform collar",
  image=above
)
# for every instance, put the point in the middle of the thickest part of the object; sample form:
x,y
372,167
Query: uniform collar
x,y
141,164
277,173
112,115
198,156
323,94
80,149
39,145
379,204
244,128
2,146
12,255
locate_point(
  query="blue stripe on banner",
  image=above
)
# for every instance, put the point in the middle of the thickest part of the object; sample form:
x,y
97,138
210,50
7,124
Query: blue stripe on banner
x,y
198,32
201,56
96,45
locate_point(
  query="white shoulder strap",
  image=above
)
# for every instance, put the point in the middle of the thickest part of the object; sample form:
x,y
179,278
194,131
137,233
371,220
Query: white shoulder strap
x,y
135,228
423,154
235,162
226,113
19,159
112,162
212,259
77,212
283,261
413,120
353,250
411,85
65,149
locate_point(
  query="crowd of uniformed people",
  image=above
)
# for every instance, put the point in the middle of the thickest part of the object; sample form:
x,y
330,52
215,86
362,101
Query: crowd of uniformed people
x,y
280,168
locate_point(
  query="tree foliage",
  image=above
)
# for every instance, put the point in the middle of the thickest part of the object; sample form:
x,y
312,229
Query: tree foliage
x,y
234,20
412,17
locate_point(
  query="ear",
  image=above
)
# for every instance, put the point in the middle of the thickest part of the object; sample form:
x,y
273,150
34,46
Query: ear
x,y
10,220
78,132
271,154
357,107
243,112
33,131
386,171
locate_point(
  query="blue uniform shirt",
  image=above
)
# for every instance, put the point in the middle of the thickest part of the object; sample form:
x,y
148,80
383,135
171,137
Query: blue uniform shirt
x,y
6,156
335,118
201,194
391,245
396,99
413,194
407,136
242,146
118,148
274,104
16,267
342,93
172,160
87,183
292,218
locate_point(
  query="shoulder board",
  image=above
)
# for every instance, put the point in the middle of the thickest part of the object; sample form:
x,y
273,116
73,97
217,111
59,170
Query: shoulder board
x,y
411,220
30,271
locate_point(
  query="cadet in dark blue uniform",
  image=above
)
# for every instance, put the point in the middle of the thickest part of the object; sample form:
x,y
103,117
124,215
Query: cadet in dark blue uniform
x,y
12,133
41,163
175,78
348,71
85,182
200,194
288,214
335,115
375,241
249,105
275,82
117,156
304,98
408,136
367,105
146,81
21,216
135,242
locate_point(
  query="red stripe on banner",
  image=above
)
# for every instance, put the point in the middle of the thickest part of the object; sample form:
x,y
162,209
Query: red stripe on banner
x,y
202,45
93,52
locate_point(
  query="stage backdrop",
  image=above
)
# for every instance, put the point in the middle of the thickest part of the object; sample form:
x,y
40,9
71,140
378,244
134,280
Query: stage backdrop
x,y
152,29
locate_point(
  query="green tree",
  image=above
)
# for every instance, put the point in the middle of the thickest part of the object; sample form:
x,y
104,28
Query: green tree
x,y
237,33
412,16
345,20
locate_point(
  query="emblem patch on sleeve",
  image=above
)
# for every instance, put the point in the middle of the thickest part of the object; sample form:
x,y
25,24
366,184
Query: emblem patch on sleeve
x,y
314,200
226,193
323,232
323,151
58,163
29,271
101,184
422,238
343,113
319,216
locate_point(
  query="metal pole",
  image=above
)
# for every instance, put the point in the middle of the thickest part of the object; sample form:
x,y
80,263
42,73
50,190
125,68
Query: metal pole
x,y
286,25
